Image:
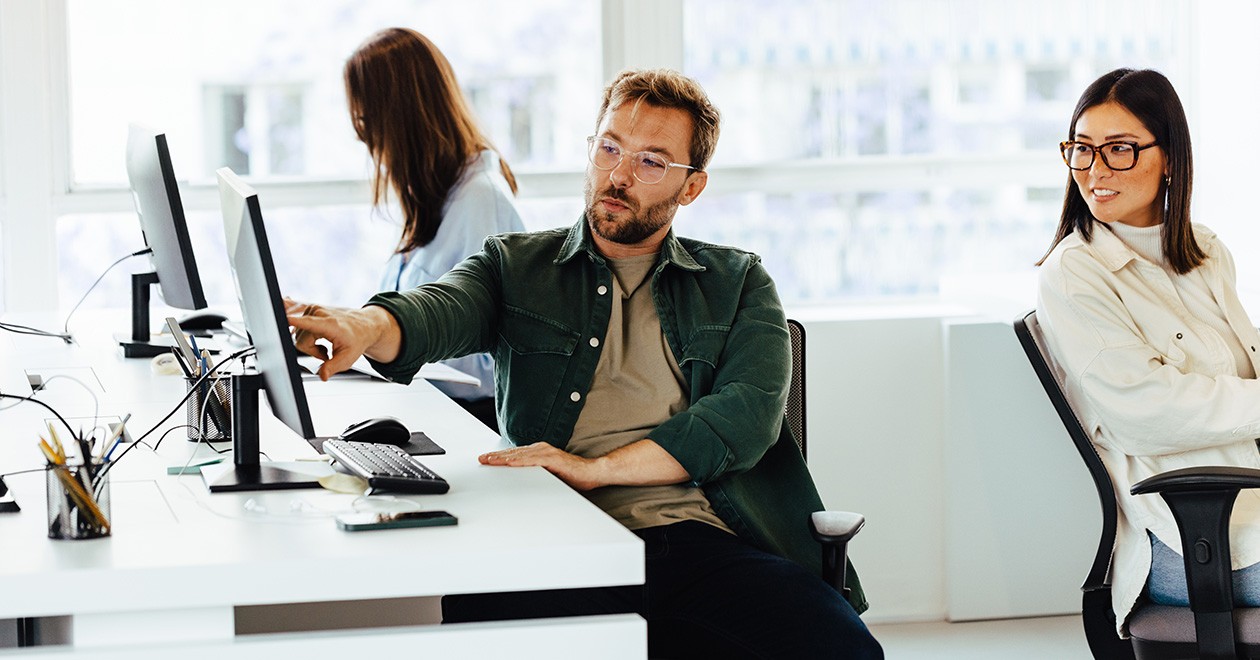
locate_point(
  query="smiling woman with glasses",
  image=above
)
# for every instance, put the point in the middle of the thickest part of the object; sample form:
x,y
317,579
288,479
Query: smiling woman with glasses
x,y
1141,310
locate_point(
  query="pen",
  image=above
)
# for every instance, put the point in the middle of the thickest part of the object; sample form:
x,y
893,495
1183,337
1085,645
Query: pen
x,y
116,435
85,455
196,354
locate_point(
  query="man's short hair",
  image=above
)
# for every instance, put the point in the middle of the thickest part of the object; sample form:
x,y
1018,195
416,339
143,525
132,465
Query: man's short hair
x,y
667,88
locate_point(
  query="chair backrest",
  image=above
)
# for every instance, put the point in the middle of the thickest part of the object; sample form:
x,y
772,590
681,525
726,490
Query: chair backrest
x,y
1099,618
795,409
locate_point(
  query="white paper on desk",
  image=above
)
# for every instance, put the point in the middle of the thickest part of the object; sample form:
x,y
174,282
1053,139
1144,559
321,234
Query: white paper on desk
x,y
309,366
363,369
442,372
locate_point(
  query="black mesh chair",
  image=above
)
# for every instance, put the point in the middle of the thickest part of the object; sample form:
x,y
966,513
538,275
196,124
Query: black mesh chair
x,y
833,529
1201,500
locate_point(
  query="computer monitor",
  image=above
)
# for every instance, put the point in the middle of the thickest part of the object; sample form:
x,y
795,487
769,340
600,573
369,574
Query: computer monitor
x,y
277,371
156,195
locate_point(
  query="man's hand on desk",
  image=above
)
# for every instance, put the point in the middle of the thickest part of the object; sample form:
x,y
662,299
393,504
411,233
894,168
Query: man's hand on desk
x,y
369,331
642,463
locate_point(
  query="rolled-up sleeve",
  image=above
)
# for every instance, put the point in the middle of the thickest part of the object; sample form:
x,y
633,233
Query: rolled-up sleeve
x,y
730,428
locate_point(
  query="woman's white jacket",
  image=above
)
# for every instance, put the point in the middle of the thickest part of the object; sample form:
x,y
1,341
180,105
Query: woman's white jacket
x,y
1155,388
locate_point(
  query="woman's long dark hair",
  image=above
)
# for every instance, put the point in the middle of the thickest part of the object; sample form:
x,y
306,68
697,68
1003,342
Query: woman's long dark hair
x,y
1151,98
408,109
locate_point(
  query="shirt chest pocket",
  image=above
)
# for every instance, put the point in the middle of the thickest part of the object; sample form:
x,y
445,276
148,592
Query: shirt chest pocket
x,y
705,345
1190,353
533,354
1173,354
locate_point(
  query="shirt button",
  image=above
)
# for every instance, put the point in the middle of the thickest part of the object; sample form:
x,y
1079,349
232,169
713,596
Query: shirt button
x,y
575,397
1178,335
601,290
594,342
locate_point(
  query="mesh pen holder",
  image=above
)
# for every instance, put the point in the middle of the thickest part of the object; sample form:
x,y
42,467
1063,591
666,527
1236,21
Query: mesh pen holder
x,y
78,501
215,413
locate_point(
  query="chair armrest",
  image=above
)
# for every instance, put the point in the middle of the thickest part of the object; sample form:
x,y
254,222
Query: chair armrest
x,y
835,526
834,529
1206,478
1201,500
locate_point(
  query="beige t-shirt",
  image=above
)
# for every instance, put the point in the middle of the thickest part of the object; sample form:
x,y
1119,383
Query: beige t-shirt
x,y
637,386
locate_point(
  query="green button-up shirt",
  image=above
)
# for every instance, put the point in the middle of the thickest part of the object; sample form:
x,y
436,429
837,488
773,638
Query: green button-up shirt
x,y
535,300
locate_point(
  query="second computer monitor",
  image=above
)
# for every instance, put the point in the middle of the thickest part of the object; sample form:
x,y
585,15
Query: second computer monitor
x,y
165,230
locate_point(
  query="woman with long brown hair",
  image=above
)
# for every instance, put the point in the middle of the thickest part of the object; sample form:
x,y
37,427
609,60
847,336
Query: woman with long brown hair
x,y
430,157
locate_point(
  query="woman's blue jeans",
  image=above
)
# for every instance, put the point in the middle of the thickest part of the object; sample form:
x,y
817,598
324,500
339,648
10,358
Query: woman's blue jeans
x,y
1167,582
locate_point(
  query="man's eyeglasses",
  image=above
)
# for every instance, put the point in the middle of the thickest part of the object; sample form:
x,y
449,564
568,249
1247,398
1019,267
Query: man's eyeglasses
x,y
1118,156
648,167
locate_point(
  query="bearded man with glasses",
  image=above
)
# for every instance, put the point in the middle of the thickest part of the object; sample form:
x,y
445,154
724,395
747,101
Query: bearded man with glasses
x,y
648,372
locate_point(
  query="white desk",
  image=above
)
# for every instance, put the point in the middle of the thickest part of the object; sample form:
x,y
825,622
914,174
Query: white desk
x,y
179,560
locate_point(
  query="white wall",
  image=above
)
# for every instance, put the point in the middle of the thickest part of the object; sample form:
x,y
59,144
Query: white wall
x,y
933,425
1223,123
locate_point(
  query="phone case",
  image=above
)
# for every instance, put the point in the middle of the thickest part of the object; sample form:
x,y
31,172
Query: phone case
x,y
365,522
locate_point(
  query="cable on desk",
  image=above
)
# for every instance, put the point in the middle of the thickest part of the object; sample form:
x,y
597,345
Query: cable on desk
x,y
187,395
65,328
96,403
19,329
34,400
9,474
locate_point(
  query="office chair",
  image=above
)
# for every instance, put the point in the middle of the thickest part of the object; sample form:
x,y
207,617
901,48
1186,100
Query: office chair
x,y
1201,499
832,529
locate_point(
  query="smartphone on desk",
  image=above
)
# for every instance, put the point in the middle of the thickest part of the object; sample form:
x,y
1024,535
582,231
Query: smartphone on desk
x,y
361,522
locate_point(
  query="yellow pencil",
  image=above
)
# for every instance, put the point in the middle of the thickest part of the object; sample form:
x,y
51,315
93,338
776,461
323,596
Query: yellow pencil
x,y
56,442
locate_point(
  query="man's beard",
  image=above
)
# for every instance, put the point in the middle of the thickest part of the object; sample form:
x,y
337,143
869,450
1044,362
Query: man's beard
x,y
641,224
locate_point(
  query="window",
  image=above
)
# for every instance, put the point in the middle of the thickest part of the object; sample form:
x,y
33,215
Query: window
x,y
918,137
257,86
868,149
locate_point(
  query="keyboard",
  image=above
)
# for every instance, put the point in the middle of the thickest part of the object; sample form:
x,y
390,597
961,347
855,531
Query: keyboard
x,y
386,467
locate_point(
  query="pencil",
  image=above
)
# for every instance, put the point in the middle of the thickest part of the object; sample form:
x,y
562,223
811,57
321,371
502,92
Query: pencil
x,y
118,432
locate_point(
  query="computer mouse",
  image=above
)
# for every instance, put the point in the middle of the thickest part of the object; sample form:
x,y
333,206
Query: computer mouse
x,y
383,430
202,321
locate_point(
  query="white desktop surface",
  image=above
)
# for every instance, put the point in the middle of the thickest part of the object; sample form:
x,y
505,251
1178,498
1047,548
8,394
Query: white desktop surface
x,y
176,548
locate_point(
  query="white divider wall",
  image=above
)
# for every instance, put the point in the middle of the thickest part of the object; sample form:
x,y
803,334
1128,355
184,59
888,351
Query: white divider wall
x,y
935,428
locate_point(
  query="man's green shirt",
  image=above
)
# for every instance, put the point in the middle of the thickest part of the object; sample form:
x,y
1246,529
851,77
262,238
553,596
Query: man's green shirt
x,y
535,300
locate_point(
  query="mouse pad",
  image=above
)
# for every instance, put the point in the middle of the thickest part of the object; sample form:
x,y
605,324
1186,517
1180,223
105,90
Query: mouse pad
x,y
419,445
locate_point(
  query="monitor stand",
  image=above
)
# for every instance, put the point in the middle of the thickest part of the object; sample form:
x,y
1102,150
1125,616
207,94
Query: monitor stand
x,y
246,473
140,344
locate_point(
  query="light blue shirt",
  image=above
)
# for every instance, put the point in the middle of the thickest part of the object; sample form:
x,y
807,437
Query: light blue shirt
x,y
480,204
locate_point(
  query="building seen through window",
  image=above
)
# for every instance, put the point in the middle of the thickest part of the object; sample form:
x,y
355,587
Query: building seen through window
x,y
880,109
868,149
